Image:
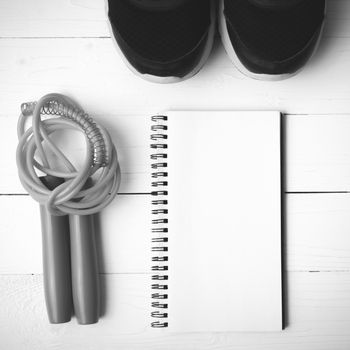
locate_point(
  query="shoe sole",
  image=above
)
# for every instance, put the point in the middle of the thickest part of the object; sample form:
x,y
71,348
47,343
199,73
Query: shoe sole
x,y
225,38
170,79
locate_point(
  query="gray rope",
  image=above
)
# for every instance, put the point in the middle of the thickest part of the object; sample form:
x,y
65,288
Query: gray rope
x,y
70,197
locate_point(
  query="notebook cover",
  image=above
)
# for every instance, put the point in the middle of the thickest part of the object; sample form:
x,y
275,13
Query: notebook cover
x,y
223,191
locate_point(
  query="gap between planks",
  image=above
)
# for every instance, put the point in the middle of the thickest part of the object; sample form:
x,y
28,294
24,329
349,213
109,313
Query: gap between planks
x,y
149,193
52,37
285,272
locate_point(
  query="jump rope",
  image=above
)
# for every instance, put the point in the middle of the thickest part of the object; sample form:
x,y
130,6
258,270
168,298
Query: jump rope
x,y
68,199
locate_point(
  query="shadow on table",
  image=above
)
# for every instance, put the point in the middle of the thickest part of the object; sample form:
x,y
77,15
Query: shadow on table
x,y
285,306
333,27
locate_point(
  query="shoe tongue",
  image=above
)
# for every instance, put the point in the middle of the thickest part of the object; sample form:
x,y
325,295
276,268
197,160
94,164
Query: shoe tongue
x,y
157,5
276,4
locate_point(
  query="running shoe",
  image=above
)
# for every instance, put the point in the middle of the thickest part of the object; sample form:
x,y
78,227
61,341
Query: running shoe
x,y
271,39
163,40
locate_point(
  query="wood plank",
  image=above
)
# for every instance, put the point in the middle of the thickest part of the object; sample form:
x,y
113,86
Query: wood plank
x,y
40,18
317,238
123,242
31,68
91,71
317,153
87,18
318,318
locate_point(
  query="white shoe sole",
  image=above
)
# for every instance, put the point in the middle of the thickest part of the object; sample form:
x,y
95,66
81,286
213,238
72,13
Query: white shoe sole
x,y
170,79
225,38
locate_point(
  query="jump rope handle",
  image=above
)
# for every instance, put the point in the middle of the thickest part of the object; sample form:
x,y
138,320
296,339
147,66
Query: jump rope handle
x,y
70,264
85,276
56,260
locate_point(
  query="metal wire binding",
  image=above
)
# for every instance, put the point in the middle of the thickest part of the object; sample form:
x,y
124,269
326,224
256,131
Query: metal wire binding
x,y
159,221
87,124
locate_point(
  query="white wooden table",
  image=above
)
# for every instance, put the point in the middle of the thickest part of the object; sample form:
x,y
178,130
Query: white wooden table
x,y
64,46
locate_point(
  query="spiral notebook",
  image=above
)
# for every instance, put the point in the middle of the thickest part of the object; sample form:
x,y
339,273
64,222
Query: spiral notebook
x,y
216,221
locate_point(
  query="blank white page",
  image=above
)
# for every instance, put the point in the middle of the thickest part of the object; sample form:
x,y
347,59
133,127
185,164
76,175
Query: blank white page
x,y
224,221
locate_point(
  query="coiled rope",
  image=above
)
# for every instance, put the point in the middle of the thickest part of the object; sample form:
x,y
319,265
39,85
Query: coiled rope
x,y
71,197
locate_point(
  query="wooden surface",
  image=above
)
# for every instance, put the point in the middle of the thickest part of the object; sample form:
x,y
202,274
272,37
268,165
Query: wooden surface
x,y
64,46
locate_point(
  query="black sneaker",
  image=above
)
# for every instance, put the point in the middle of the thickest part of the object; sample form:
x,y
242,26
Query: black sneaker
x,y
271,39
163,40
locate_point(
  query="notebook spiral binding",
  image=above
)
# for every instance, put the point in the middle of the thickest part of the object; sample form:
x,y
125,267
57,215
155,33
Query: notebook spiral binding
x,y
159,221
